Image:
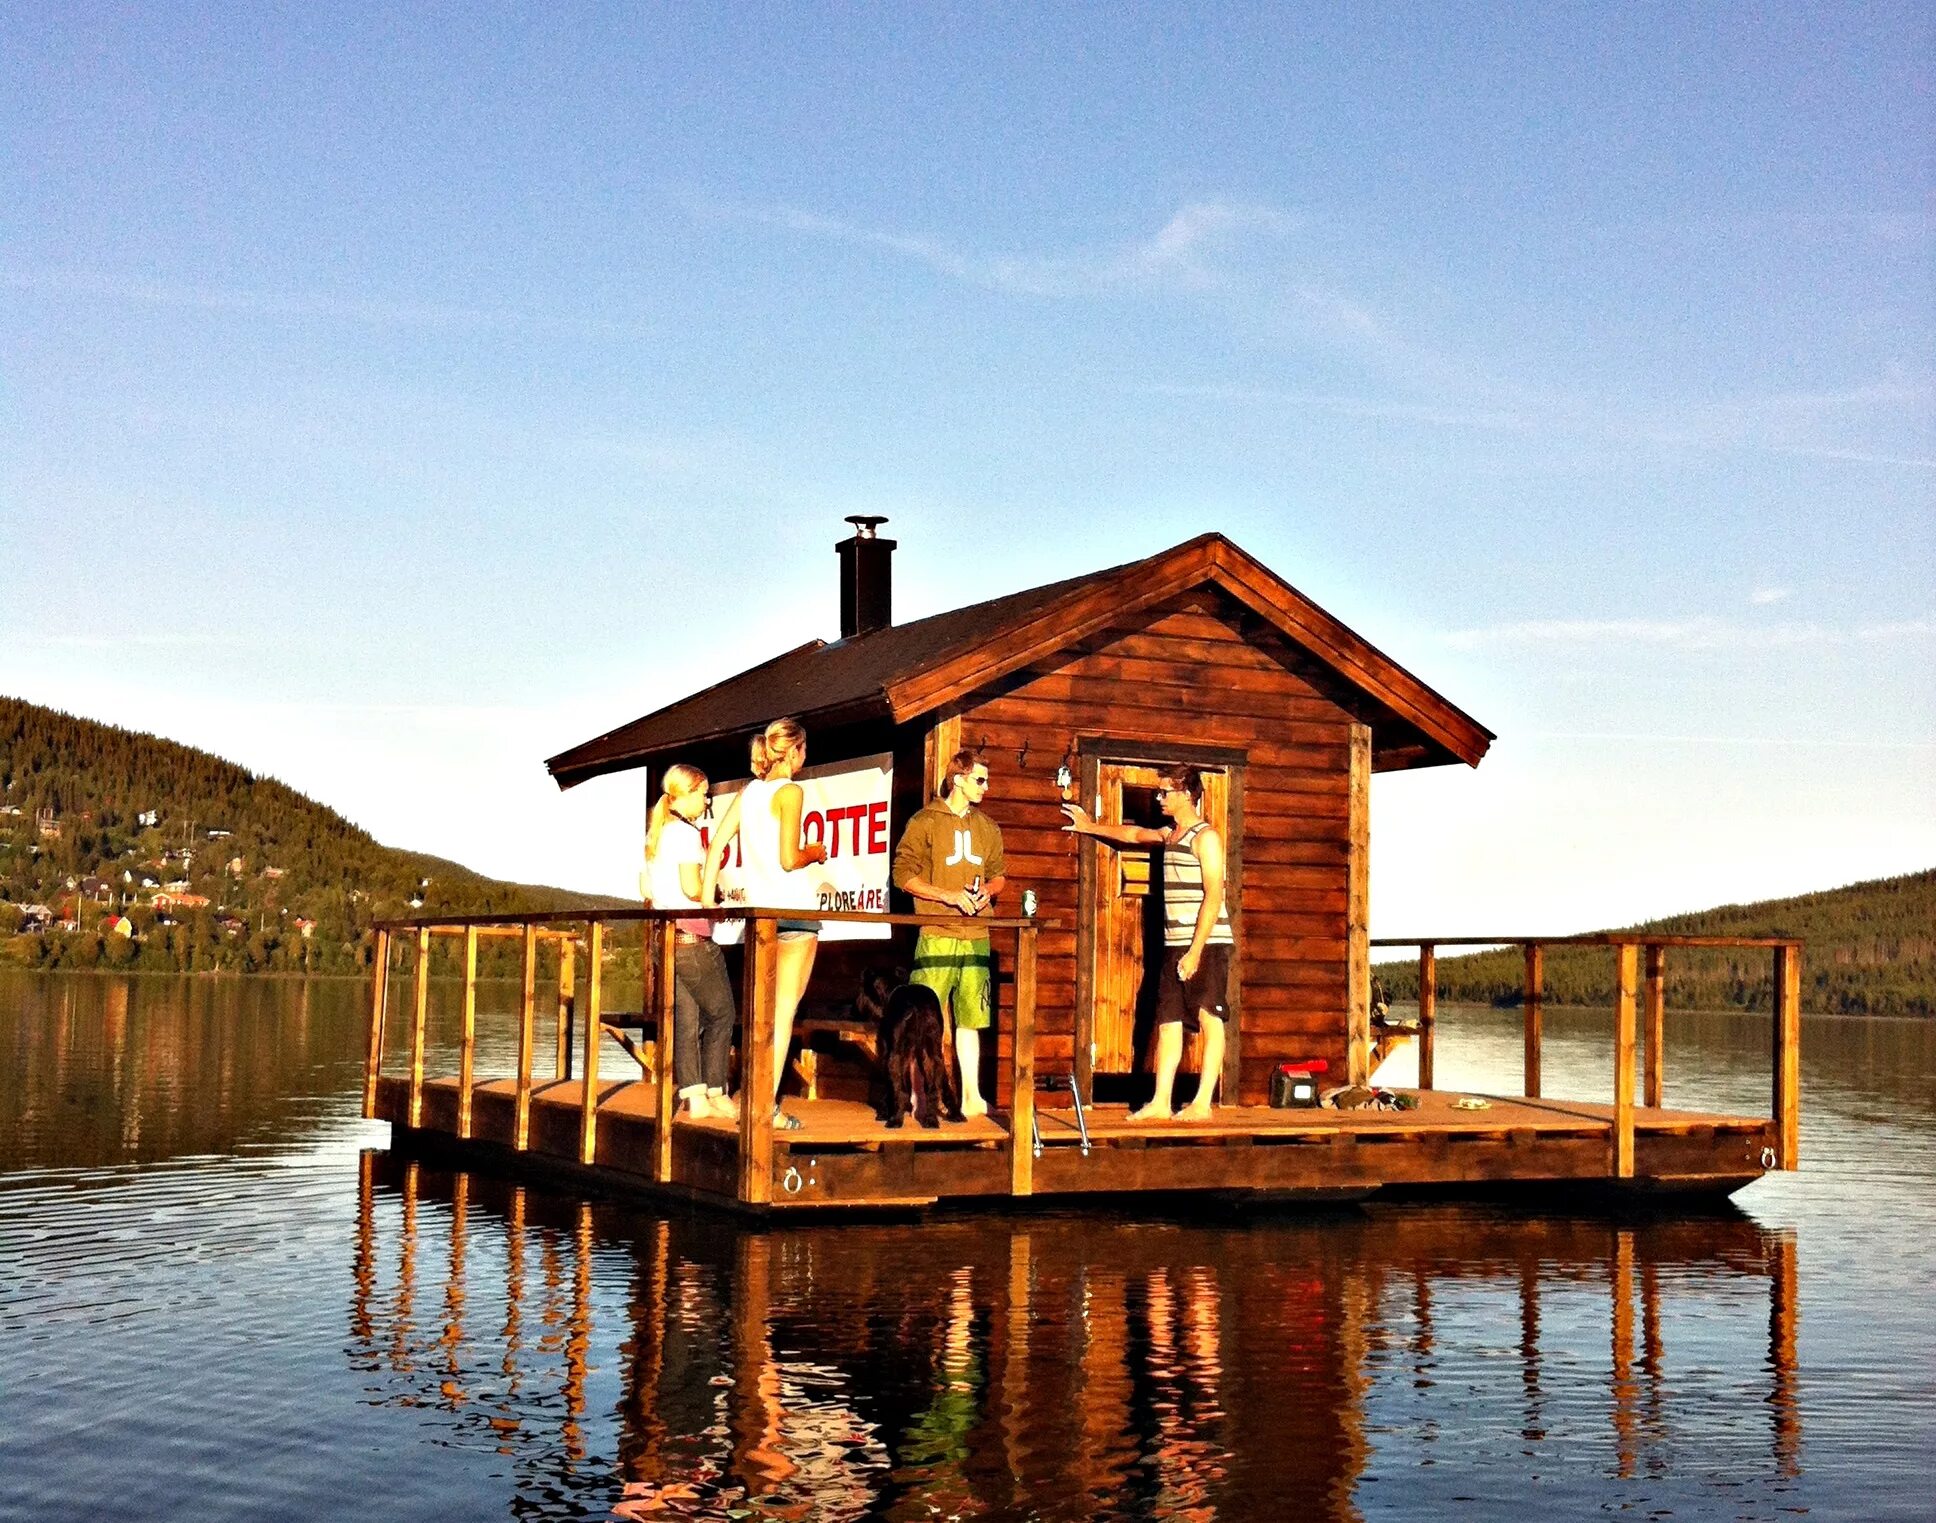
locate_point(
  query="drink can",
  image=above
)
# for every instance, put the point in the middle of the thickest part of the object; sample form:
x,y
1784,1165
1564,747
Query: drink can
x,y
1028,902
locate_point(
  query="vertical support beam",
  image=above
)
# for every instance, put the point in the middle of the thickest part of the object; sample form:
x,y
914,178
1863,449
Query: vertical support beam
x,y
567,988
1021,1103
588,1101
1534,1007
938,750
527,1020
1428,1010
660,949
467,1055
1626,965
757,1062
1788,1056
1357,913
1654,1010
379,997
420,1015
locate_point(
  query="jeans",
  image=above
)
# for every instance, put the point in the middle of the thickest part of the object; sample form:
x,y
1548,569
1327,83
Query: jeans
x,y
703,1016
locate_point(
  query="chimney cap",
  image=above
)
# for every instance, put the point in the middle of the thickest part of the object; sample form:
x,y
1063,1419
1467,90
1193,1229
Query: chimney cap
x,y
865,524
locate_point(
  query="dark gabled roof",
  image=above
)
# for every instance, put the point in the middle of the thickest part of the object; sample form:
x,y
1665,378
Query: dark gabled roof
x,y
906,670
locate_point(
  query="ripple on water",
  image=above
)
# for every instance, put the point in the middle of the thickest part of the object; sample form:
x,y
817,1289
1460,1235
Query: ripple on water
x,y
234,1313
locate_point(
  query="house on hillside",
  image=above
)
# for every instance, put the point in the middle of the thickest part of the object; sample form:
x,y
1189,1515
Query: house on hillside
x,y
1083,689
171,899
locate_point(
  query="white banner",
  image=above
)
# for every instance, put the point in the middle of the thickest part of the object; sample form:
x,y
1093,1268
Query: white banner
x,y
847,811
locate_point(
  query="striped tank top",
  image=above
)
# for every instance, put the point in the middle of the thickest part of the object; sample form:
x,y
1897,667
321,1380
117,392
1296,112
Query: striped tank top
x,y
1183,894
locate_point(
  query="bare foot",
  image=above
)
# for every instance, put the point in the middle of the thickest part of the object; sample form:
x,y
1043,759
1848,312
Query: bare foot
x,y
973,1106
1152,1112
1194,1112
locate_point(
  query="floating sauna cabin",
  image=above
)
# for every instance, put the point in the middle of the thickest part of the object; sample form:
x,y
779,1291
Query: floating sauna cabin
x,y
1082,689
1199,654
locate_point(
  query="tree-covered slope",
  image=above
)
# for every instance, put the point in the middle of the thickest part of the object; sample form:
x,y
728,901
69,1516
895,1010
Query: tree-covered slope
x,y
1871,949
210,865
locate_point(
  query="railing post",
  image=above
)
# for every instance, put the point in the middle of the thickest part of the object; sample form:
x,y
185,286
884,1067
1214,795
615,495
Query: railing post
x,y
467,1056
379,996
757,1062
420,1016
1788,1056
1021,1105
527,1020
588,1100
1428,1009
1626,960
1534,1009
1654,1008
567,986
658,951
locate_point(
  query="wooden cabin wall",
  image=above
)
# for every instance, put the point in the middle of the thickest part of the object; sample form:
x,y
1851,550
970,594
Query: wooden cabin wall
x,y
1186,677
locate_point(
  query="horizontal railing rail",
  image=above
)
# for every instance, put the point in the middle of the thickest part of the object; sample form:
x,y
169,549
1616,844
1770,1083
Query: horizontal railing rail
x,y
1636,996
550,918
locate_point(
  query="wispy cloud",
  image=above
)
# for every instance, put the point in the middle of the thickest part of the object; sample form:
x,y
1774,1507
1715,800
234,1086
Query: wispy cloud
x,y
155,639
1763,597
1832,743
1703,633
1502,419
1185,252
298,305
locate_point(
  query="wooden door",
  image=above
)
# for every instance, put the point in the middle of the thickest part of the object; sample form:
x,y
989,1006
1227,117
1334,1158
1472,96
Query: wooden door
x,y
1124,908
1124,905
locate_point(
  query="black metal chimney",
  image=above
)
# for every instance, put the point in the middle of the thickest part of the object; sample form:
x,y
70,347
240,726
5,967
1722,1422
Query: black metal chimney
x,y
866,579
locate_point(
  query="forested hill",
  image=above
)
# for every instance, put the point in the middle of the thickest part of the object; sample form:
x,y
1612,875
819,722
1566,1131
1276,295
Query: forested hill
x,y
123,850
1871,950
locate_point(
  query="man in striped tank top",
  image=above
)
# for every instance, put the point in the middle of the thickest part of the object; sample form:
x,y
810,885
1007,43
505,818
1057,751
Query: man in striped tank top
x,y
1194,990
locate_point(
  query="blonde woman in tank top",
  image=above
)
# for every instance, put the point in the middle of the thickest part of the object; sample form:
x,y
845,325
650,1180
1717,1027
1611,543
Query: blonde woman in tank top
x,y
765,818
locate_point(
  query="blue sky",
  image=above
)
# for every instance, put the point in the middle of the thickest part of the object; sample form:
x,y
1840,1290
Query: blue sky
x,y
388,401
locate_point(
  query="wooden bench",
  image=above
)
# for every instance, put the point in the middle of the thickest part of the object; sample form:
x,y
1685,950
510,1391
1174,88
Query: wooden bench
x,y
816,1031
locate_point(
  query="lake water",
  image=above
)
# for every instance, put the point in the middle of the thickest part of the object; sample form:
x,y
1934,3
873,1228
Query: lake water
x,y
220,1299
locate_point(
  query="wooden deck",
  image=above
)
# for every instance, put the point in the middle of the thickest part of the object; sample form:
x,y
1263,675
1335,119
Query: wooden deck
x,y
843,1156
622,1134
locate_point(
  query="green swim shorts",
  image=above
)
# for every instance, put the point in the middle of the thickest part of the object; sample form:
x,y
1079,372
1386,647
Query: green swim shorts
x,y
960,972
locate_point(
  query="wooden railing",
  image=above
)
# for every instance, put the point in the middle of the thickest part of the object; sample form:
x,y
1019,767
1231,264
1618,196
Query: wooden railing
x,y
1640,995
568,929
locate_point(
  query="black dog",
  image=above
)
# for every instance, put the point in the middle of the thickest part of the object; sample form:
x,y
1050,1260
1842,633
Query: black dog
x,y
912,1044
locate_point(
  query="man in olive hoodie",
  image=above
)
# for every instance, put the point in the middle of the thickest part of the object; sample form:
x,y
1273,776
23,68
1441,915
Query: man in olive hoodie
x,y
950,862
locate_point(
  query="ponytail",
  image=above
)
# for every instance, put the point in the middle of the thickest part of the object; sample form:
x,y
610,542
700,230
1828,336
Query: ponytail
x,y
777,741
680,780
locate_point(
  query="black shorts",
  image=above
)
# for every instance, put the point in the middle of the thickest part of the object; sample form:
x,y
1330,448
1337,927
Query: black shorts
x,y
1208,992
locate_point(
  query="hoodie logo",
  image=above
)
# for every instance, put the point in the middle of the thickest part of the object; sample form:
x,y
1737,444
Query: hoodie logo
x,y
964,850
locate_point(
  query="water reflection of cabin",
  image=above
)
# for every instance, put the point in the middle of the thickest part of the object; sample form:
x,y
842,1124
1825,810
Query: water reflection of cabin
x,y
1086,1367
1199,654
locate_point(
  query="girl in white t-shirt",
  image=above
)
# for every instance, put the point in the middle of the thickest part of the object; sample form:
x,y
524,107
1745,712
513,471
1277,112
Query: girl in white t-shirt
x,y
766,817
702,994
